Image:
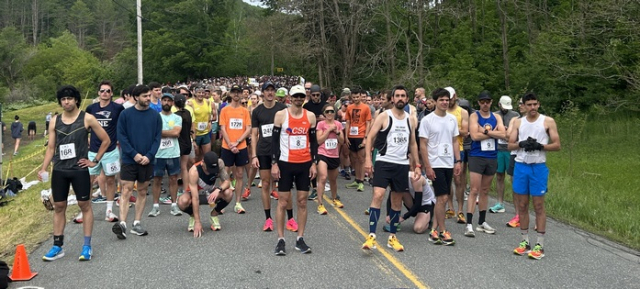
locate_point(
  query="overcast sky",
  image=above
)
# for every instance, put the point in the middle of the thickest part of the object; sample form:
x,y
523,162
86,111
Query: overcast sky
x,y
253,2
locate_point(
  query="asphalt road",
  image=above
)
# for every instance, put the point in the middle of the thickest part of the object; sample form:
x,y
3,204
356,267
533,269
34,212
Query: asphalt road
x,y
241,255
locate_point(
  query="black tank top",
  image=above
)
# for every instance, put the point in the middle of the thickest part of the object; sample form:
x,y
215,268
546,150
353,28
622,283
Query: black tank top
x,y
206,182
72,143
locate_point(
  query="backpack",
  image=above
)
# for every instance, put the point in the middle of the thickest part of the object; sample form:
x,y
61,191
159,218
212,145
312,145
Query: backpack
x,y
4,275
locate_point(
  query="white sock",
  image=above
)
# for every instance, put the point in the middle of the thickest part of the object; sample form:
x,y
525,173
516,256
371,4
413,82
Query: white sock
x,y
156,205
109,206
174,205
135,222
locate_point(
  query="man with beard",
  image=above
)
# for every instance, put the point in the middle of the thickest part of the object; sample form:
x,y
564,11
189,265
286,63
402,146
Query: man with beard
x,y
139,134
393,135
167,157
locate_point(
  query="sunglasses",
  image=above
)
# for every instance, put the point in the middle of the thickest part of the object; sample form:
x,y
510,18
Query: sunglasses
x,y
105,90
329,111
243,103
298,96
485,101
307,89
315,94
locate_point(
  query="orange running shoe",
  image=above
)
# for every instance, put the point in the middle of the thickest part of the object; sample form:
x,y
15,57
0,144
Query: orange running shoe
x,y
268,225
246,194
522,249
274,195
515,222
292,225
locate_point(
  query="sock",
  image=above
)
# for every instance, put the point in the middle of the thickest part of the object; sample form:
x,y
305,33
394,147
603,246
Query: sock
x,y
395,221
123,223
298,238
358,181
267,214
289,214
525,235
135,222
58,240
280,239
174,204
156,205
469,218
482,219
374,214
110,206
87,241
540,238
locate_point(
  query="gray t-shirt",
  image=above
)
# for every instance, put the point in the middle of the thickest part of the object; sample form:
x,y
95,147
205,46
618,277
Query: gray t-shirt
x,y
506,118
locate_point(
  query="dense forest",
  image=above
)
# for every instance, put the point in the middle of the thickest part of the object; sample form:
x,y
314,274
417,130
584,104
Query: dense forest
x,y
577,50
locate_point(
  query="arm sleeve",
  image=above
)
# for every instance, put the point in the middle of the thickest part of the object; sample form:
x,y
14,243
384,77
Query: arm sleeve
x,y
314,143
413,211
275,144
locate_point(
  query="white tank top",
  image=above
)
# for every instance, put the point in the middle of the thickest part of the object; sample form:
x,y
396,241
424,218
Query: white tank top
x,y
397,135
535,130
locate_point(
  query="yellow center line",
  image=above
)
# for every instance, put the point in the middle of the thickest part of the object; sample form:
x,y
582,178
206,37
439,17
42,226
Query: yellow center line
x,y
397,263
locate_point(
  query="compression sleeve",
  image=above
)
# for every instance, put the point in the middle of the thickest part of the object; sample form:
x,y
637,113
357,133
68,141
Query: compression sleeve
x,y
275,143
314,142
413,211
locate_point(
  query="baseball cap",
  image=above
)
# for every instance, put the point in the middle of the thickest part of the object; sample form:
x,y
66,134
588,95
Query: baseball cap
x,y
297,89
258,93
505,102
267,84
282,92
451,91
223,88
211,162
180,100
169,95
315,88
236,88
484,95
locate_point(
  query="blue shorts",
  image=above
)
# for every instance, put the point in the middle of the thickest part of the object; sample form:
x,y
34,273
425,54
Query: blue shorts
x,y
110,163
171,165
530,179
203,139
503,161
464,156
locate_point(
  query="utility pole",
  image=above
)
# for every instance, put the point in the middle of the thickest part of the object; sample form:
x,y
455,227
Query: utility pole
x,y
139,19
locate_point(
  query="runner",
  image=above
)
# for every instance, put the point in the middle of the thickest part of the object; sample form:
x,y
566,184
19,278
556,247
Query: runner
x,y
330,138
485,128
462,117
358,117
168,157
202,190
235,126
440,151
503,153
515,221
315,105
532,135
139,134
68,149
393,134
294,147
185,141
156,93
421,201
203,113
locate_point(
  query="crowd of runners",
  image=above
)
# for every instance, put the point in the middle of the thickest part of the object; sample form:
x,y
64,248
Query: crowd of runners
x,y
215,139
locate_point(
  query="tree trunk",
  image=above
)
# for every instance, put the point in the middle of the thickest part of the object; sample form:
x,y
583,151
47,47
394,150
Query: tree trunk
x,y
505,44
35,16
420,56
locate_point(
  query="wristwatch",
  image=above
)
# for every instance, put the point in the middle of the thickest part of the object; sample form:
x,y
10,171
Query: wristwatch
x,y
486,131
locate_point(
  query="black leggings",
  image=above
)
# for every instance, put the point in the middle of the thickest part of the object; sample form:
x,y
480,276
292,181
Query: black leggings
x,y
79,179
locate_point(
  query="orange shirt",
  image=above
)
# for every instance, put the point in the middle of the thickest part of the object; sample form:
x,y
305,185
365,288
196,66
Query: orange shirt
x,y
294,139
235,122
358,115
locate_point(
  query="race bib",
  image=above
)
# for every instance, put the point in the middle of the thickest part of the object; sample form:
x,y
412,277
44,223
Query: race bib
x,y
532,154
330,143
267,130
202,125
487,145
166,143
67,151
353,130
445,150
297,142
502,142
235,123
112,168
399,138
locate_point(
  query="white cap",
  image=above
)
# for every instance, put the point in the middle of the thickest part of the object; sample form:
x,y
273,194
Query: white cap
x,y
297,89
257,92
451,91
505,102
223,88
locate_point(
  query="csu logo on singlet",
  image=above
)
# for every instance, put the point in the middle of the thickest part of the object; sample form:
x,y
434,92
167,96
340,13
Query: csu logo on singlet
x,y
103,118
297,130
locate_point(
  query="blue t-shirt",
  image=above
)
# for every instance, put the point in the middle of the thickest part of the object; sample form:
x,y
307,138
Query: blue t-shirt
x,y
169,146
139,131
156,106
107,118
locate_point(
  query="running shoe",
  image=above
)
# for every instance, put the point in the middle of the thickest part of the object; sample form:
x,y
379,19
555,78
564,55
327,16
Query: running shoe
x,y
239,209
175,211
274,195
360,187
292,225
434,237
246,194
366,212
302,246
54,254
253,184
78,219
327,187
486,228
233,183
336,203
370,243
192,224
215,224
353,185
497,208
395,244
120,229
468,231
260,184
537,252
313,195
343,173
461,218
522,249
515,222
110,217
268,225
138,230
449,214
132,199
280,251
322,210
446,239
347,176
99,200
155,211
86,253
166,200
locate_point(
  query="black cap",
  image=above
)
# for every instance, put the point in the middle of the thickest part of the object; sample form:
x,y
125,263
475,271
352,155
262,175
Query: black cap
x,y
180,100
315,88
267,84
236,88
484,95
211,162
